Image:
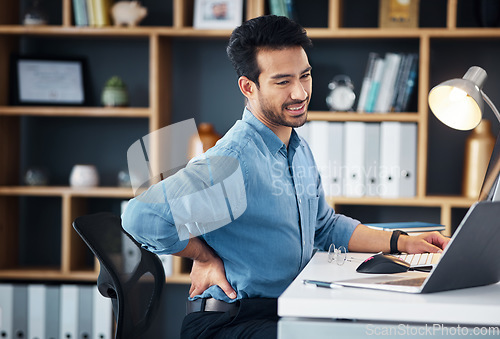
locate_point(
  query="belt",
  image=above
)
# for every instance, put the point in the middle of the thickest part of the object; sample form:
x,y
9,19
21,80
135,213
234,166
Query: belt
x,y
211,305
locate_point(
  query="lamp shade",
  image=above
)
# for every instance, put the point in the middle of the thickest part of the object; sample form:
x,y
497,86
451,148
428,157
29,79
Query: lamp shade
x,y
458,103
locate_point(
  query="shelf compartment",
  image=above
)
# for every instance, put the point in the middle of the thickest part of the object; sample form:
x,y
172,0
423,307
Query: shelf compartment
x,y
39,232
9,234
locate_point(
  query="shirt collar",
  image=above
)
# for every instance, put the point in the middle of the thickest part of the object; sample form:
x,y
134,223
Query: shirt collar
x,y
273,143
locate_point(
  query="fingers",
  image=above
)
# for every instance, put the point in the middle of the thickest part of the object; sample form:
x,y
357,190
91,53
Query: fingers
x,y
227,289
436,238
193,291
431,248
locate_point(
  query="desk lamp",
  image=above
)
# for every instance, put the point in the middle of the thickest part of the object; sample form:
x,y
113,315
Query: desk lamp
x,y
458,103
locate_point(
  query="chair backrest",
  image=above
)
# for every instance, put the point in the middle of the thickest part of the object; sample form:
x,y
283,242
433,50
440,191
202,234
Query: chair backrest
x,y
131,276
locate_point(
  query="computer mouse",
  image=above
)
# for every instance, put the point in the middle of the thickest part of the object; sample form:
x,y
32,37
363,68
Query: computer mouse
x,y
383,263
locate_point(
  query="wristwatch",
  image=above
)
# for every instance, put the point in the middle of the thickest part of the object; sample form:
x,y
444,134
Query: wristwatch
x,y
394,240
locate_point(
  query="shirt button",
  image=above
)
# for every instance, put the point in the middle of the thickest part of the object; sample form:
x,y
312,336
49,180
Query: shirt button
x,y
300,201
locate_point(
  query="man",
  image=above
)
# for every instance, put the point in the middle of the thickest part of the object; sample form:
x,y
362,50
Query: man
x,y
241,268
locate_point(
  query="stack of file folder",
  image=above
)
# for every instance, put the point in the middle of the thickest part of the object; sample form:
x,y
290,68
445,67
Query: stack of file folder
x,y
54,311
357,159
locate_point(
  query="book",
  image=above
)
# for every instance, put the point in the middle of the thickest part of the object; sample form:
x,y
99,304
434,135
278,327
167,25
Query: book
x,y
410,83
407,226
406,83
278,7
290,9
373,92
90,12
391,67
80,12
367,81
102,10
400,83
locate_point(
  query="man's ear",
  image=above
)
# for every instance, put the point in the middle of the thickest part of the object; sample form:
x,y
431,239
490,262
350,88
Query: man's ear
x,y
247,86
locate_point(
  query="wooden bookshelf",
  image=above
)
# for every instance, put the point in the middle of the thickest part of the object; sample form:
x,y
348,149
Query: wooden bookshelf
x,y
73,202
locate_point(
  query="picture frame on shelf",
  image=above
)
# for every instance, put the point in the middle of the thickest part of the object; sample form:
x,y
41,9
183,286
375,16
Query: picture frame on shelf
x,y
217,14
48,81
398,13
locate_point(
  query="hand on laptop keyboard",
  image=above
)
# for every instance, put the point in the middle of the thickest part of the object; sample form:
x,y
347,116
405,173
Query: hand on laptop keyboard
x,y
421,259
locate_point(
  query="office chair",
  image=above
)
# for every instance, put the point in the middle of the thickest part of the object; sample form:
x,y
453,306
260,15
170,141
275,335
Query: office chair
x,y
131,276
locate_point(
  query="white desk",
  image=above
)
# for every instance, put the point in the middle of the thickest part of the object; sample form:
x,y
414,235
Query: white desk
x,y
314,312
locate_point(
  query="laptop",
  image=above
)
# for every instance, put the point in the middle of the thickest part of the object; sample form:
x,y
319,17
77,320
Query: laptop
x,y
472,258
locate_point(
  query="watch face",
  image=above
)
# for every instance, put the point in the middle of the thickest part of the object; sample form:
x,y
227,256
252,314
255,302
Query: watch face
x,y
341,98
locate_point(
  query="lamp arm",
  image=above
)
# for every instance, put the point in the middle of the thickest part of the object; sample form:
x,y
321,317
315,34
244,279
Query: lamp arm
x,y
492,106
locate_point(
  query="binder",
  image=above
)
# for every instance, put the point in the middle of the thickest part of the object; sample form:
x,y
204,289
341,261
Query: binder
x,y
52,305
372,159
6,310
20,311
36,311
335,157
167,262
354,158
102,319
85,299
389,159
318,142
398,155
131,254
408,160
68,323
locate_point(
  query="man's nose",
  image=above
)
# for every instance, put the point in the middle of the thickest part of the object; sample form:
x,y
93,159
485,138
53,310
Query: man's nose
x,y
299,92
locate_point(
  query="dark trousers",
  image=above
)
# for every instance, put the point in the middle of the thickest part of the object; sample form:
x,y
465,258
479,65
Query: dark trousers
x,y
255,318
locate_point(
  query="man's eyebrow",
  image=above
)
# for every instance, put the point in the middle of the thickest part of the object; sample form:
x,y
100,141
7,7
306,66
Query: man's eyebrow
x,y
284,75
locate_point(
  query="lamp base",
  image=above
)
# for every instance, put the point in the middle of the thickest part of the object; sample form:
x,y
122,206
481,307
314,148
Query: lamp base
x,y
478,148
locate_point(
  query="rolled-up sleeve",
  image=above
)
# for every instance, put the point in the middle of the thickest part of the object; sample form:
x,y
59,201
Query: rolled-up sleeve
x,y
148,219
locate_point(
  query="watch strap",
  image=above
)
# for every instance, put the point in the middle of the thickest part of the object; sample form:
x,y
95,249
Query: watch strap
x,y
394,240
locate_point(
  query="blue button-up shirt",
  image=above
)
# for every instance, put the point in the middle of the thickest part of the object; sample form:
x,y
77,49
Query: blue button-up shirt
x,y
286,215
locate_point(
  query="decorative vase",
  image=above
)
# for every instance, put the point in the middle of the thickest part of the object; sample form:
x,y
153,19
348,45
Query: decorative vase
x,y
478,148
207,138
124,179
36,176
115,93
35,14
84,176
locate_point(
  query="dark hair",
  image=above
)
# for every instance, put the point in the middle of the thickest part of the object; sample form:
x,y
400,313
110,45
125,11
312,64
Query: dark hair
x,y
269,31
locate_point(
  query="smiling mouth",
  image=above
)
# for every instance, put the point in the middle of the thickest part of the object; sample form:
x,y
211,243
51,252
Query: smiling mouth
x,y
296,109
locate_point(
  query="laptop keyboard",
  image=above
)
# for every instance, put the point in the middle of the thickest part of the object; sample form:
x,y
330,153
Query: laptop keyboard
x,y
421,259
